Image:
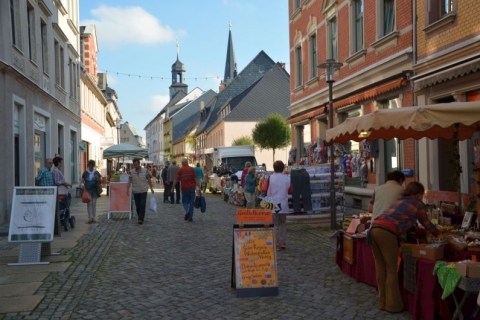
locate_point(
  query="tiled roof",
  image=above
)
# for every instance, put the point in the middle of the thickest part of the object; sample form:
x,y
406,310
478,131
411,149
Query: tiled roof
x,y
271,94
256,69
183,118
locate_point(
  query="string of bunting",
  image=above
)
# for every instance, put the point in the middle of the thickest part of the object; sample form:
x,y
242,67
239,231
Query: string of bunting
x,y
156,77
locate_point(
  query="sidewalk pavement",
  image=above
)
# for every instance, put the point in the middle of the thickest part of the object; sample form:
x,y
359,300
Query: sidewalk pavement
x,y
168,268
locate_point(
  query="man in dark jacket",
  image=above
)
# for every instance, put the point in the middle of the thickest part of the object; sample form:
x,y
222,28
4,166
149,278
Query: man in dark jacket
x,y
166,185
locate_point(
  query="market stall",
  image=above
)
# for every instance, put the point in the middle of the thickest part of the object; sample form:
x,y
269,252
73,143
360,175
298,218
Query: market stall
x,y
421,291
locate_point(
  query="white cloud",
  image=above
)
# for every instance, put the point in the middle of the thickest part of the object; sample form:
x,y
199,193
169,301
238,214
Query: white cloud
x,y
127,25
157,102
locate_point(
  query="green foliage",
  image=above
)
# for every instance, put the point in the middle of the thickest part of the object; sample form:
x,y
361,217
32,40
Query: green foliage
x,y
245,140
190,140
272,133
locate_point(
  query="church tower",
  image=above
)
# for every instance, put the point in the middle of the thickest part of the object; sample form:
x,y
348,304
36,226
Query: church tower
x,y
178,76
230,63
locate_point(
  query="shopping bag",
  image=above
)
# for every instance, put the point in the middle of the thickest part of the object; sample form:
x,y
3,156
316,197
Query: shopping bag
x,y
153,205
86,197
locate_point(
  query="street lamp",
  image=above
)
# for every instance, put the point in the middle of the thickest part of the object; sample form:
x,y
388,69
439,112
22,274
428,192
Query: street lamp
x,y
330,65
119,126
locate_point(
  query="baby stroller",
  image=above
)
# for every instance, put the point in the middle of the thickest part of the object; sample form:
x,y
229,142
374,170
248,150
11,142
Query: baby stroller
x,y
64,199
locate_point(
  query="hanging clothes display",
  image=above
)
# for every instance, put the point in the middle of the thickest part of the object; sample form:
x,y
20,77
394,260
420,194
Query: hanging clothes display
x,y
302,194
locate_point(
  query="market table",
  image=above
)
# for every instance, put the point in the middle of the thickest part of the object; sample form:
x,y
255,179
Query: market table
x,y
426,300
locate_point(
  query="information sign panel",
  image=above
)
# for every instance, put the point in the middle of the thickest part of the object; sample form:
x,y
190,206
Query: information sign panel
x,y
33,214
255,266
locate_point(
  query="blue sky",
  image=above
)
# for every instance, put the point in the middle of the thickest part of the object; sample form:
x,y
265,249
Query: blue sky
x,y
138,38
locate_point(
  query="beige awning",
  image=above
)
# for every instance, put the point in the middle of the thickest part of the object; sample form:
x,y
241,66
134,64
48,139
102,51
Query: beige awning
x,y
431,121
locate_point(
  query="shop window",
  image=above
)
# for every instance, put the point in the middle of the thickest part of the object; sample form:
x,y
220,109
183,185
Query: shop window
x,y
312,43
357,23
393,157
332,39
298,66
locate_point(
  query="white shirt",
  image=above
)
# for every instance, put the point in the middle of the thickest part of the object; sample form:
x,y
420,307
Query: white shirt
x,y
278,186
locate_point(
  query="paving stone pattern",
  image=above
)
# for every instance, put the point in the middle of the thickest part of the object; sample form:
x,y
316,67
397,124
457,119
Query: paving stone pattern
x,y
168,268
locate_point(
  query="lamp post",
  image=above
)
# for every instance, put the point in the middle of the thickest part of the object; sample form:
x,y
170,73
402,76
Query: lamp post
x,y
330,65
119,126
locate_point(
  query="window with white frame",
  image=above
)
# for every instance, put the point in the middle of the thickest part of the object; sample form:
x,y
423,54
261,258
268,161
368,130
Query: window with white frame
x,y
298,66
393,157
32,47
312,44
15,23
357,36
44,44
59,64
332,39
385,17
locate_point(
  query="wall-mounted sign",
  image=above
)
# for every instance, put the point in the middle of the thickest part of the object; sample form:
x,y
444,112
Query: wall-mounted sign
x,y
106,141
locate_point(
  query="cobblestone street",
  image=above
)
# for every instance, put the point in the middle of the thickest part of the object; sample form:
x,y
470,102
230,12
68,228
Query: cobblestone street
x,y
168,268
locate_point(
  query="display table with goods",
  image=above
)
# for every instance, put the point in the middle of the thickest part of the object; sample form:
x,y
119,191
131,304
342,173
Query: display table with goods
x,y
422,276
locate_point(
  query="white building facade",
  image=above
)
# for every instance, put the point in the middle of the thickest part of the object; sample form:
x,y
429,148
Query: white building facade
x,y
39,91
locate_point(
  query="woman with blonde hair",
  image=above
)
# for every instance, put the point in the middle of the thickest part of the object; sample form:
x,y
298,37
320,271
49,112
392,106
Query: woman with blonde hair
x,y
249,190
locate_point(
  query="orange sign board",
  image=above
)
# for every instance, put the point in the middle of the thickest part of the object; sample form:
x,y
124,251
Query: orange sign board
x,y
254,216
255,261
120,200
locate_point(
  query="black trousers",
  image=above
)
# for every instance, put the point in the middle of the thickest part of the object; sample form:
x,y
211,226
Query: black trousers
x,y
302,194
140,204
166,190
177,192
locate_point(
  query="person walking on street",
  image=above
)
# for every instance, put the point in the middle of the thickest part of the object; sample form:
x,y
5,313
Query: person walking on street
x,y
205,179
91,179
166,184
199,174
140,180
154,176
45,177
249,191
171,174
278,186
58,179
186,175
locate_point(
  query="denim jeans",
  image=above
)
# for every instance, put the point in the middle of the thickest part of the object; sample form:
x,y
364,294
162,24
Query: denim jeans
x,y
188,201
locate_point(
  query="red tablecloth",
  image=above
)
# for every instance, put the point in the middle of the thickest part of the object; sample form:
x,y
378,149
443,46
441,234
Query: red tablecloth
x,y
426,302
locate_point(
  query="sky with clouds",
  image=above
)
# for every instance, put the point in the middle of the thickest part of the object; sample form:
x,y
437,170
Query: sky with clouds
x,y
137,44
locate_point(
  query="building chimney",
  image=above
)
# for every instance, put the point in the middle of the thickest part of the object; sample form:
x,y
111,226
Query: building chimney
x,y
282,64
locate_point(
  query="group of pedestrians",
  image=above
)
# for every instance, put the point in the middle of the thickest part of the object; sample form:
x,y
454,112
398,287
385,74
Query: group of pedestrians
x,y
51,175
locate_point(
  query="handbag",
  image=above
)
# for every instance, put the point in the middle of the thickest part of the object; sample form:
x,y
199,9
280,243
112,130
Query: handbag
x,y
86,197
99,187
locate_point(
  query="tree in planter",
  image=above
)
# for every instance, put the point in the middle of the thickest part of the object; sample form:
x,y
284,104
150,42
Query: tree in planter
x,y
272,133
245,140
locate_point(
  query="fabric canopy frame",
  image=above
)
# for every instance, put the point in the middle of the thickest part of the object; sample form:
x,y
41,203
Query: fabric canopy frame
x,y
125,150
430,121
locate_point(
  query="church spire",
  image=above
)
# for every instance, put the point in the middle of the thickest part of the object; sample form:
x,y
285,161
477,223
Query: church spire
x,y
230,63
